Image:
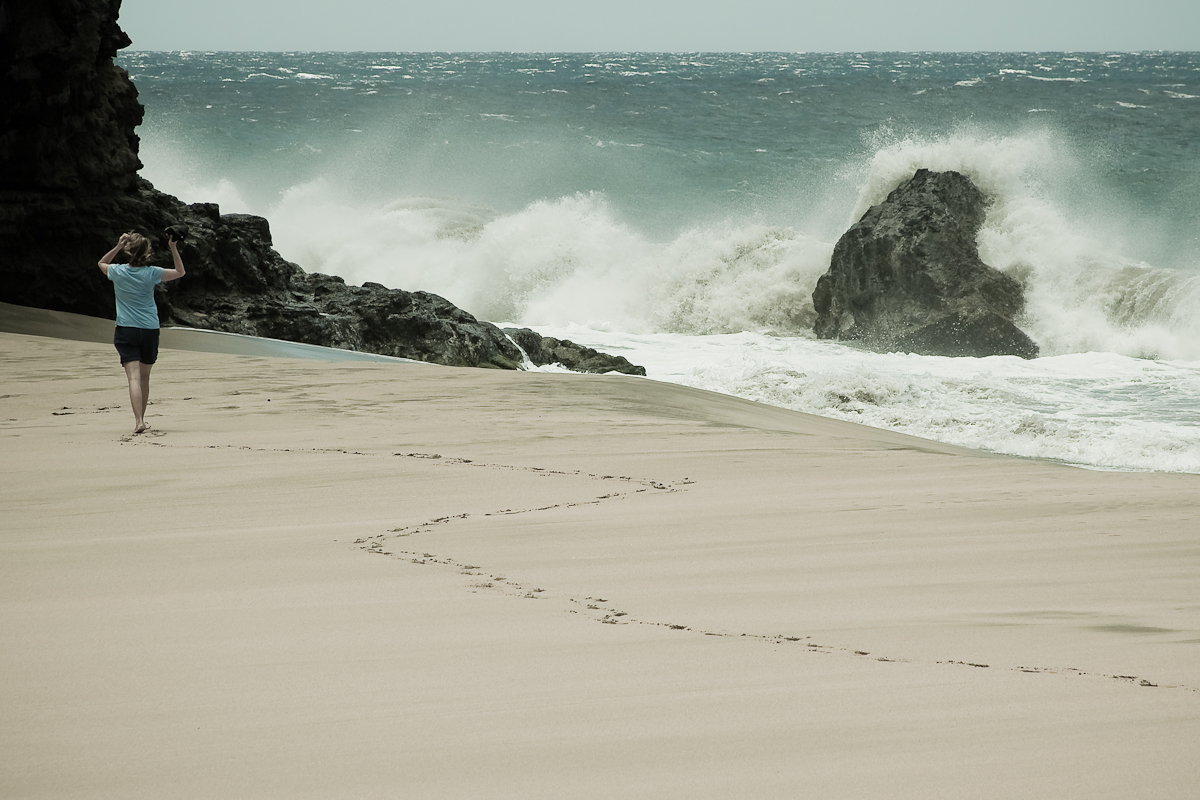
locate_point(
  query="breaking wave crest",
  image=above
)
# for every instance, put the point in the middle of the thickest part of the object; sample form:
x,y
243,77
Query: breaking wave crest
x,y
579,260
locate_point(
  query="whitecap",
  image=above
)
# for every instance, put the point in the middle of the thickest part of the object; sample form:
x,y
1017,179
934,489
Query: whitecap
x,y
1057,80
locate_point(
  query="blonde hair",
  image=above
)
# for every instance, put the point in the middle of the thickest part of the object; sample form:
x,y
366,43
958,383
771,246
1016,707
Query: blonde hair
x,y
137,247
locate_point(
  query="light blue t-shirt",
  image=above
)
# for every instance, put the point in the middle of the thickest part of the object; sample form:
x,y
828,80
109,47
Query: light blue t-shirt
x,y
134,288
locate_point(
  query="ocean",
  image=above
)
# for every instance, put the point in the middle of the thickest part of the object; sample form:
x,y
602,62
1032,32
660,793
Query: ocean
x,y
678,209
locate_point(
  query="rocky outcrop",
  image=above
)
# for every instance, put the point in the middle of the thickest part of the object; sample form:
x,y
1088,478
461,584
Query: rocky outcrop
x,y
908,277
542,350
69,113
69,187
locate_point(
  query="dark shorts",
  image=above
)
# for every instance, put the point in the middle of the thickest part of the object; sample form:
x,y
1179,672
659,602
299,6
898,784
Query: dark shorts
x,y
136,344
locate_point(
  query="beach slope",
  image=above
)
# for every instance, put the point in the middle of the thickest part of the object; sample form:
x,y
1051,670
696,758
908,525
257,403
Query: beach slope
x,y
351,579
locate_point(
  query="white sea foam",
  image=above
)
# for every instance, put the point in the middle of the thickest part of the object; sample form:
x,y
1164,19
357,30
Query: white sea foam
x,y
1097,410
729,309
1060,80
574,260
716,292
558,262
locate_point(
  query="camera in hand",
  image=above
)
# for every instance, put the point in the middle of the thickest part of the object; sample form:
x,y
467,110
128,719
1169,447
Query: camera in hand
x,y
177,232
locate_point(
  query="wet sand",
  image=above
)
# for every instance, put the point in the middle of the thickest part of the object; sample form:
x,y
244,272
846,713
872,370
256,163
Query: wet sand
x,y
352,579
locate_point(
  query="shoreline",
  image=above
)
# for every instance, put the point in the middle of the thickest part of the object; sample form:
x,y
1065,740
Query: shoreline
x,y
60,324
354,579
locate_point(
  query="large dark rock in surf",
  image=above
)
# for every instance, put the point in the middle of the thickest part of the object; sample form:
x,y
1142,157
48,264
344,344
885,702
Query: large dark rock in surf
x,y
908,277
69,187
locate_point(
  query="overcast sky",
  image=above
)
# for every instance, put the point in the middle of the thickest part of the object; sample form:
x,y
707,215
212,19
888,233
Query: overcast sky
x,y
662,25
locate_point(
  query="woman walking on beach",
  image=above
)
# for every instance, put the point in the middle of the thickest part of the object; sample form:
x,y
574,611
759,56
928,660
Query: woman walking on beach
x,y
136,335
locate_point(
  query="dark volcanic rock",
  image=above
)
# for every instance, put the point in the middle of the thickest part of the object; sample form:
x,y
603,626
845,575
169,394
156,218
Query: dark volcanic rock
x,y
68,111
322,309
543,350
69,188
908,277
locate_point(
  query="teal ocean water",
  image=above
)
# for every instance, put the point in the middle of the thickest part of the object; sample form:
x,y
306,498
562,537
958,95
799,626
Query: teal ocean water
x,y
679,209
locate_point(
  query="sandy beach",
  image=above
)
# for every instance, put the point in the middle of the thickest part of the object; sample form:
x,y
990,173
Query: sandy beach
x,y
340,578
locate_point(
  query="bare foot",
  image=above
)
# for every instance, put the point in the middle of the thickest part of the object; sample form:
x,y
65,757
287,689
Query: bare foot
x,y
141,429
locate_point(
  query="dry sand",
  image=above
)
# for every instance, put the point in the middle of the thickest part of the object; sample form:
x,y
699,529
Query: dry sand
x,y
346,579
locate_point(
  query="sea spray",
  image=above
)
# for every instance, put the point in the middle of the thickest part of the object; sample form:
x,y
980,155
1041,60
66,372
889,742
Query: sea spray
x,y
753,278
678,209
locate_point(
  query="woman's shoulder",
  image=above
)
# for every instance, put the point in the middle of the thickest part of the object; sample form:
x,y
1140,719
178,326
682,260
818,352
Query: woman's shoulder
x,y
135,271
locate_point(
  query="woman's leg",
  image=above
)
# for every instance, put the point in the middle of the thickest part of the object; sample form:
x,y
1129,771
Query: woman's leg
x,y
139,388
145,376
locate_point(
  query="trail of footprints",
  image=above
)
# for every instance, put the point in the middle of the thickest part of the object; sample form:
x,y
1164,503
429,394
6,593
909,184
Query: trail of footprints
x,y
594,608
599,609
643,484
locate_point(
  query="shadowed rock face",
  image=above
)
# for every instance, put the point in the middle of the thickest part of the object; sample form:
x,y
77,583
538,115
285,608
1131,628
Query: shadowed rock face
x,y
69,112
69,187
908,277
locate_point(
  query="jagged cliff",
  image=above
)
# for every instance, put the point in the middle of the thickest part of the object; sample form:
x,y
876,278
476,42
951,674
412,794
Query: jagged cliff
x,y
69,186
